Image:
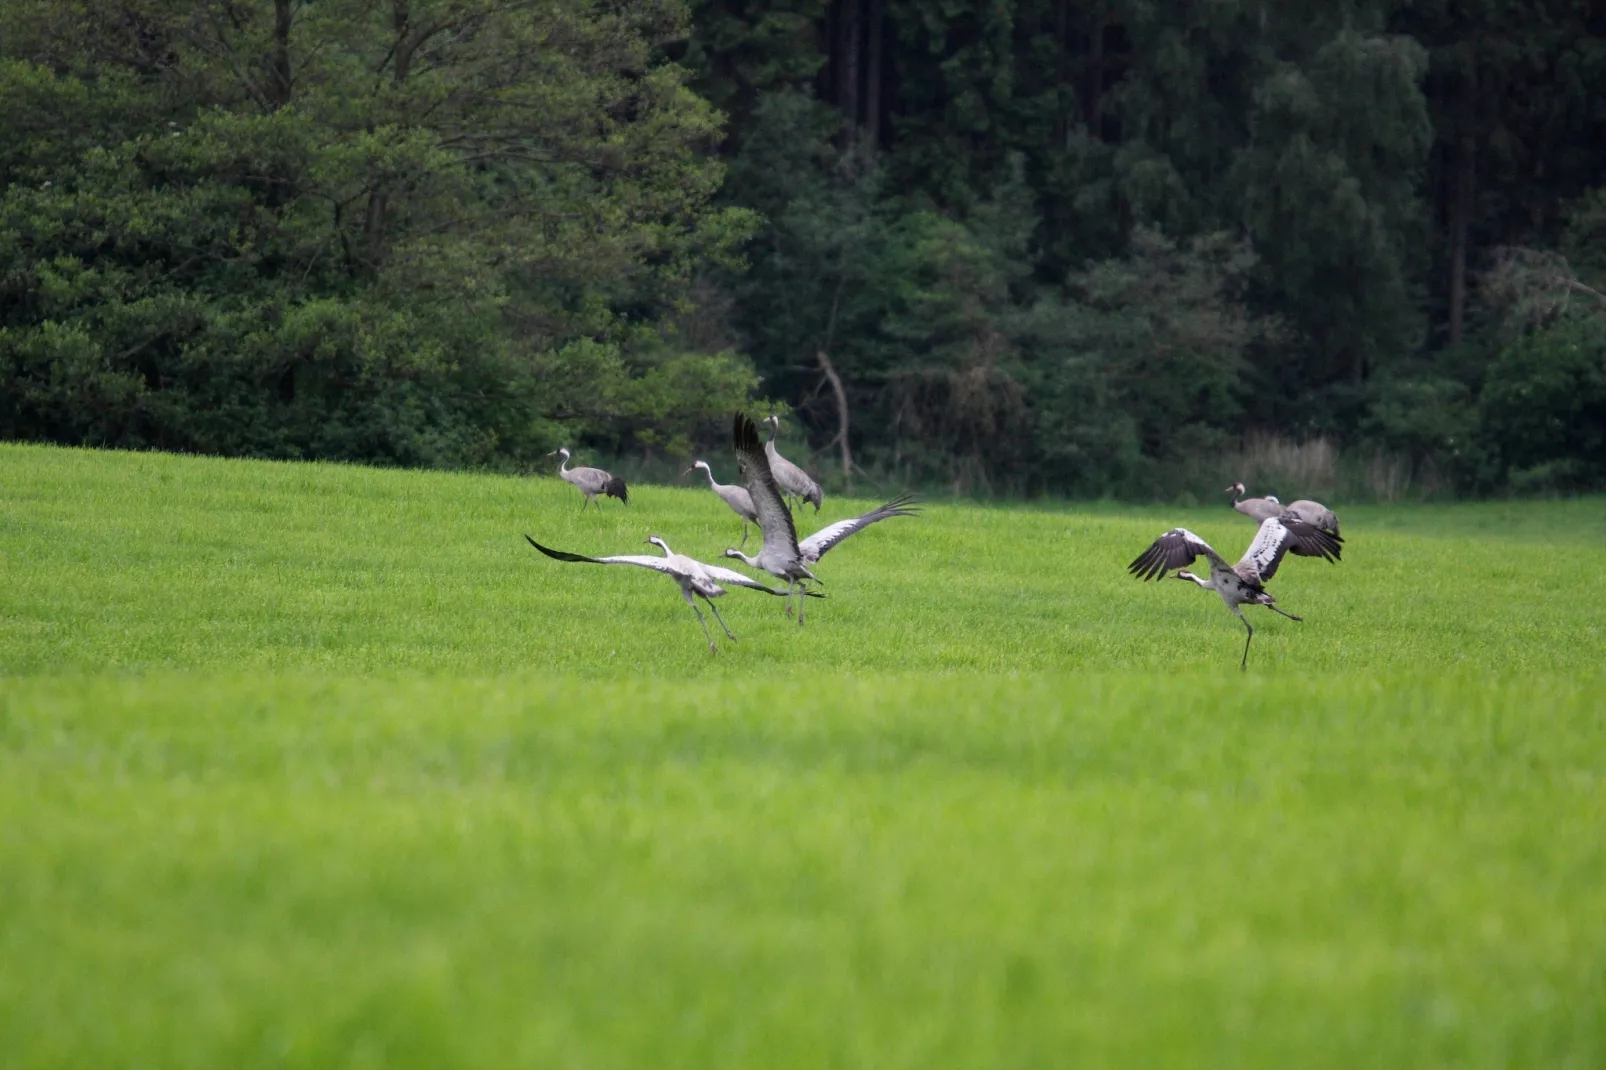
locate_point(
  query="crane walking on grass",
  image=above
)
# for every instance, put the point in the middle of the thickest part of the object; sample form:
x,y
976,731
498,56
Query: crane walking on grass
x,y
788,476
1243,583
1315,514
737,498
693,577
591,481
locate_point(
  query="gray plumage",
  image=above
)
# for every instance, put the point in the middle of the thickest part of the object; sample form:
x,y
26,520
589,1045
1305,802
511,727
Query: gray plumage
x,y
1243,583
740,502
591,481
815,546
779,556
788,476
691,576
1315,514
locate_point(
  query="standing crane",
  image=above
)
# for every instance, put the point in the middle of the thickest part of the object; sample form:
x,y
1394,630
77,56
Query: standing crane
x,y
737,498
788,476
1243,583
591,481
693,577
1315,514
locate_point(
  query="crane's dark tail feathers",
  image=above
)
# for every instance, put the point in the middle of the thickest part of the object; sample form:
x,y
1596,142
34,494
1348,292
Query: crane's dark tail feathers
x,y
559,555
615,488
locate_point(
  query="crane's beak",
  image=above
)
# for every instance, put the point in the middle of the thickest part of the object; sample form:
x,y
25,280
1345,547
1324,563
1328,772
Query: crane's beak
x,y
688,471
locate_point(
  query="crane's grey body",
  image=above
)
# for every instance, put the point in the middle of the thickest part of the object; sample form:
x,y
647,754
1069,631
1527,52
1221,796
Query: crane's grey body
x,y
1243,583
1315,514
788,476
693,577
740,501
591,481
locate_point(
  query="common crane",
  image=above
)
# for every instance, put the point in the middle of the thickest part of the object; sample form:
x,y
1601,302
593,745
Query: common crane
x,y
737,498
782,555
591,481
779,555
1315,514
814,547
693,577
1243,583
788,476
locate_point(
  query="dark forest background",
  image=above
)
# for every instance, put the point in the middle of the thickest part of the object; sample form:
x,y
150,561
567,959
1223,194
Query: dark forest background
x,y
1135,248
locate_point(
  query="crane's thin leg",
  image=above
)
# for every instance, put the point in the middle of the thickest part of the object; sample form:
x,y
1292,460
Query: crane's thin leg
x,y
721,620
701,620
585,501
1290,616
744,535
802,599
1239,613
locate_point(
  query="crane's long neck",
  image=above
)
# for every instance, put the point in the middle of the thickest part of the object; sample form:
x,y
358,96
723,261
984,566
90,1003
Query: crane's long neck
x,y
709,472
1208,585
563,463
750,562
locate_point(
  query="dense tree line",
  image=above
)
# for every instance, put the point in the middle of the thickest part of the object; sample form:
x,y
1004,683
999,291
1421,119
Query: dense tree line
x,y
1082,248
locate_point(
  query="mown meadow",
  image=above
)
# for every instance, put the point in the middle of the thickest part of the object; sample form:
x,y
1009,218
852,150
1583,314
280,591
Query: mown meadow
x,y
309,765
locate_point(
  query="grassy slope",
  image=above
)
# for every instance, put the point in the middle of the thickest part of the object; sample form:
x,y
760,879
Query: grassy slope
x,y
388,788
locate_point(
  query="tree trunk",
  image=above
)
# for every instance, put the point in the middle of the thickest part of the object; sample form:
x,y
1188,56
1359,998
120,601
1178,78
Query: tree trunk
x,y
872,87
279,62
1463,190
847,94
841,417
1095,80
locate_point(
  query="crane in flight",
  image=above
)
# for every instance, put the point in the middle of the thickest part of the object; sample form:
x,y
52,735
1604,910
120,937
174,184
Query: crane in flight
x,y
691,576
1245,582
781,555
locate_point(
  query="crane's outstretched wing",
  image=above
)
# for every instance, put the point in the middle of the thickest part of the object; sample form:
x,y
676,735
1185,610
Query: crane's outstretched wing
x,y
774,518
1177,548
814,547
725,575
1279,535
657,564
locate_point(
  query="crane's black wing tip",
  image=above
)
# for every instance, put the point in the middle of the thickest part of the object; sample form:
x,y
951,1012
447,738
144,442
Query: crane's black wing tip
x,y
615,488
558,555
1148,565
743,434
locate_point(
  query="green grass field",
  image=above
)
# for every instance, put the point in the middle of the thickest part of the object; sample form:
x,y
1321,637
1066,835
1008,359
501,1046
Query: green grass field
x,y
313,766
